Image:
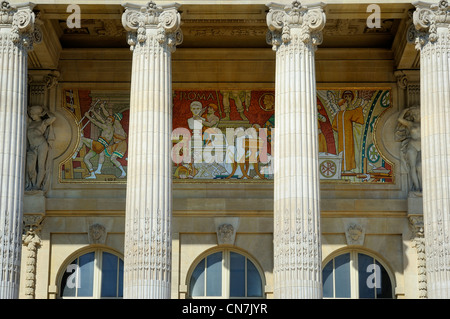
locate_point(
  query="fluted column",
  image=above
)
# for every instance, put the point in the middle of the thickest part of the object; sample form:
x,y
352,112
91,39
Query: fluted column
x,y
433,40
295,32
16,36
153,32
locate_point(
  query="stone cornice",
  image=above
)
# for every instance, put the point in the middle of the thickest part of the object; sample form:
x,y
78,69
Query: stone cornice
x,y
282,20
164,20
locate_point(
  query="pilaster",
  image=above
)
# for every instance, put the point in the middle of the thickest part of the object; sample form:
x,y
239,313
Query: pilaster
x,y
295,32
32,241
153,32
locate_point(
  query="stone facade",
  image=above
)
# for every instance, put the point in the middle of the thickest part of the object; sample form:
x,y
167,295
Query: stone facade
x,y
164,224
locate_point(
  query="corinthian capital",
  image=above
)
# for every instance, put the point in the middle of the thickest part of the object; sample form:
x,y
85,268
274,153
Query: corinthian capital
x,y
429,19
295,20
20,20
161,22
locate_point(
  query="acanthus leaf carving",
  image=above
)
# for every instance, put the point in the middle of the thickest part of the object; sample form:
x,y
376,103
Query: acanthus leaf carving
x,y
307,21
427,18
160,22
21,19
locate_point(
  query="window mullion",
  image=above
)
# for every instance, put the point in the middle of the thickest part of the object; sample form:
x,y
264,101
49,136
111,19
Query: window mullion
x,y
77,277
97,274
118,277
245,277
206,277
355,274
334,278
376,274
226,280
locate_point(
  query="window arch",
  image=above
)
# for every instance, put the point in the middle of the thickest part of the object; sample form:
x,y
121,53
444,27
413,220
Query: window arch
x,y
225,273
95,273
356,274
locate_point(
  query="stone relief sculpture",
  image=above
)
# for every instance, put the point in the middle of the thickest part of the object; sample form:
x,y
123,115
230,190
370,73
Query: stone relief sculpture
x,y
38,147
355,234
97,234
226,234
408,133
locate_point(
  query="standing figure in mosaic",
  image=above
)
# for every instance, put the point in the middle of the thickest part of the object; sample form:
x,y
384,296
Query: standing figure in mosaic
x,y
37,146
118,148
323,148
408,133
97,146
343,125
241,100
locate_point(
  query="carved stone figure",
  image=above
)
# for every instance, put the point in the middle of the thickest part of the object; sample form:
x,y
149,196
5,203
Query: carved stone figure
x,y
408,133
37,146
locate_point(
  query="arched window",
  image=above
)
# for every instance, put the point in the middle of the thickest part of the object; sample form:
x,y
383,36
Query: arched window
x,y
226,274
356,274
94,274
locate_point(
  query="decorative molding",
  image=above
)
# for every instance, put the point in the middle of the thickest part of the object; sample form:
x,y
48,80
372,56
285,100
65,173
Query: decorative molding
x,y
417,229
232,31
32,241
402,79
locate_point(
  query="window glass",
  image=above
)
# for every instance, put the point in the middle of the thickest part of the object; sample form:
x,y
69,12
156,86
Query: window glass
x,y
110,267
86,273
93,275
342,268
254,282
385,291
355,275
237,275
225,274
69,280
367,276
327,278
197,284
214,275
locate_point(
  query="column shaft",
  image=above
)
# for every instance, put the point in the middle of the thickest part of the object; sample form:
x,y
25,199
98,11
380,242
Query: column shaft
x,y
297,248
433,39
16,23
147,266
